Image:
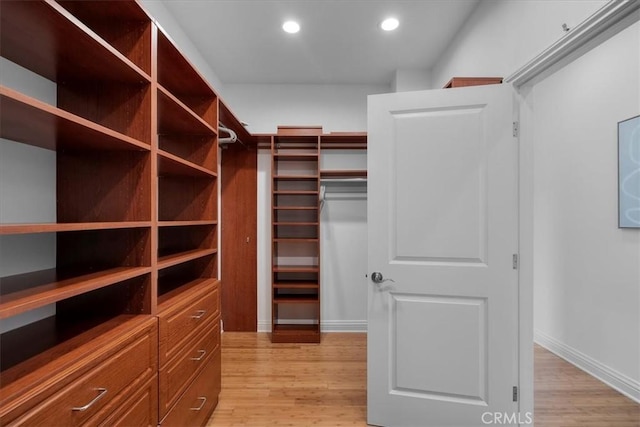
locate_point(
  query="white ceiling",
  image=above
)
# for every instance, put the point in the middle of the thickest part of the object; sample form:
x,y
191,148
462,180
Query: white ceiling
x,y
340,40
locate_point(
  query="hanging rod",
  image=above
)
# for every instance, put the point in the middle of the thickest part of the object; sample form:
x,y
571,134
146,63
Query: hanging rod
x,y
344,180
232,138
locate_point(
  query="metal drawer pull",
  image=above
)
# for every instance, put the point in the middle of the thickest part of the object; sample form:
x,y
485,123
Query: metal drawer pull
x,y
101,393
202,353
204,400
199,314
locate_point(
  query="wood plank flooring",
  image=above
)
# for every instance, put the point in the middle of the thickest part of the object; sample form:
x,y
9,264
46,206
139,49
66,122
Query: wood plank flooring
x,y
324,385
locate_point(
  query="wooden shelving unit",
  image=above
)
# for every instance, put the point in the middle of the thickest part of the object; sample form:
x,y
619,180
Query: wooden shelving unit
x,y
296,184
295,236
134,133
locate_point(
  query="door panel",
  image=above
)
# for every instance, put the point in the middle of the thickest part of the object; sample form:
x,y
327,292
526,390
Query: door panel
x,y
442,219
438,154
458,369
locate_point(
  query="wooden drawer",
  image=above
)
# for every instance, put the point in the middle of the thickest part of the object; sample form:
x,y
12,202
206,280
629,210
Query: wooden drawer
x,y
140,410
104,385
196,405
180,321
180,371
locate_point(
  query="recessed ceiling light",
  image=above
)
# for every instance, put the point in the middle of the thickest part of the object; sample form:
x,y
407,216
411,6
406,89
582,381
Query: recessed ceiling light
x,y
291,27
390,24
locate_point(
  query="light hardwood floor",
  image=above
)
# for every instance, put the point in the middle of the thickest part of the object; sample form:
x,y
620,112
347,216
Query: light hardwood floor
x,y
302,385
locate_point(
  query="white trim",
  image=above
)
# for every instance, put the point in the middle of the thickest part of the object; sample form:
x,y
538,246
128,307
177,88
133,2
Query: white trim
x,y
264,326
326,326
620,382
343,326
608,20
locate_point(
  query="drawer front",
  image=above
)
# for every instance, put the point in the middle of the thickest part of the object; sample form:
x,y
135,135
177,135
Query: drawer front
x,y
180,371
140,410
196,405
181,321
99,387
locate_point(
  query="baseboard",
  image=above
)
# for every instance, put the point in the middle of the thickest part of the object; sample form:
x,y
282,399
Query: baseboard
x,y
326,326
620,382
344,326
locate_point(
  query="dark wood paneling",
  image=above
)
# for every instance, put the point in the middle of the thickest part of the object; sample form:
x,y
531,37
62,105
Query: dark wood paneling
x,y
187,199
239,234
114,186
123,108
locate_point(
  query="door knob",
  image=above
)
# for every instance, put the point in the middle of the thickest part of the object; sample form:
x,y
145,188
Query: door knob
x,y
377,277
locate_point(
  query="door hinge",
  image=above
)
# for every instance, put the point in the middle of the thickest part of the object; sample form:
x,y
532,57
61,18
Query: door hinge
x,y
515,261
516,129
515,393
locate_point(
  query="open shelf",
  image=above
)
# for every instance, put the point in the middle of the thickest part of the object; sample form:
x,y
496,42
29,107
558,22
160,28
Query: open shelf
x,y
296,208
36,123
295,177
63,227
296,157
168,298
179,77
295,192
296,284
123,24
182,257
174,241
59,47
295,240
177,118
296,269
344,141
185,223
35,353
112,186
171,165
187,198
177,279
343,174
288,295
200,150
28,291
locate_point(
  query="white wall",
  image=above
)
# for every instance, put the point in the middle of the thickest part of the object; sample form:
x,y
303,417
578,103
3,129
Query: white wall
x,y
587,271
335,107
405,80
343,222
171,27
502,35
27,194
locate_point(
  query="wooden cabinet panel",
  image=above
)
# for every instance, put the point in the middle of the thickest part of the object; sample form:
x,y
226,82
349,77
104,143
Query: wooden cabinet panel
x,y
180,371
104,384
140,410
181,319
239,237
196,405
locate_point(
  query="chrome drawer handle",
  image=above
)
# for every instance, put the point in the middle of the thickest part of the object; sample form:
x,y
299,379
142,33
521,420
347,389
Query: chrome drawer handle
x,y
204,400
199,314
202,353
101,393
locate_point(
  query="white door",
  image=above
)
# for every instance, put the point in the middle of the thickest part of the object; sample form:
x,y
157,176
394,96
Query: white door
x,y
443,227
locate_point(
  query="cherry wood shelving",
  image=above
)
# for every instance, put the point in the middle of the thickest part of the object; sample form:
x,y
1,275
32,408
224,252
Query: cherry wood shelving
x,y
135,136
295,235
296,181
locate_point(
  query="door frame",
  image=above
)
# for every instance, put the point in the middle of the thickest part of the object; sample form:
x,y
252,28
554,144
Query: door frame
x,y
606,22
